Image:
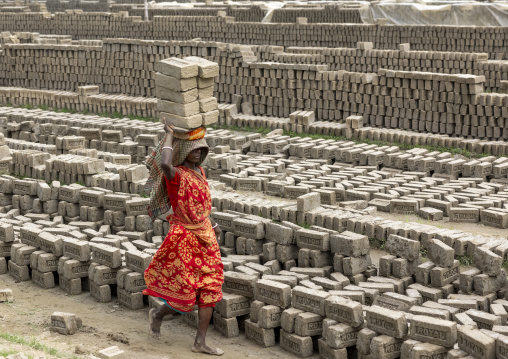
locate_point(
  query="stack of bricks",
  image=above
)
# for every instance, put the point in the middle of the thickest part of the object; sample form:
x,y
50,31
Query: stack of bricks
x,y
389,98
130,280
403,258
86,6
247,13
428,38
185,92
364,58
74,265
490,277
352,256
334,14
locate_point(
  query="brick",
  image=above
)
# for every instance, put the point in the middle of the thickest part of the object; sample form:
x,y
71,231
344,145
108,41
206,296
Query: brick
x,y
43,280
64,323
233,305
102,293
271,292
263,337
433,330
476,343
440,276
111,352
177,68
384,346
403,247
308,324
248,228
484,320
107,255
350,244
309,300
137,261
487,261
386,321
344,310
79,250
227,327
269,316
306,238
132,301
238,283
279,234
341,336
300,346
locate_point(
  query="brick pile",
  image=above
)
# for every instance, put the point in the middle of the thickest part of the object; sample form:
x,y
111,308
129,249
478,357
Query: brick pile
x,y
491,40
452,104
333,14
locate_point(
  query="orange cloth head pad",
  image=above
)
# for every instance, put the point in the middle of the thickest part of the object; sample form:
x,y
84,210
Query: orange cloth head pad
x,y
192,135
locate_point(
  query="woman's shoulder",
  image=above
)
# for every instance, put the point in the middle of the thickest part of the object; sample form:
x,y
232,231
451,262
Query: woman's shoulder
x,y
176,178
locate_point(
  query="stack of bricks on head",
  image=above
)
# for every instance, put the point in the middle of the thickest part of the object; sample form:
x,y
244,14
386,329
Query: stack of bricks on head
x,y
184,88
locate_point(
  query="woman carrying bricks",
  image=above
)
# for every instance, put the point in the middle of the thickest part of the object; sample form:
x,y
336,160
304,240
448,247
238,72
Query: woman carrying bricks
x,y
187,269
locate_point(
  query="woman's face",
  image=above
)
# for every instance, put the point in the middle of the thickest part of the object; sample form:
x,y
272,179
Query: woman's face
x,y
194,156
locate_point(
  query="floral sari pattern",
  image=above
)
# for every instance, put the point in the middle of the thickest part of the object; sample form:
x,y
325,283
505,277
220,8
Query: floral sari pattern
x,y
187,268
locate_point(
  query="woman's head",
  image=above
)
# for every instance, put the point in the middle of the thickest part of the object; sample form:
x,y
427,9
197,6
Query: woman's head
x,y
192,151
194,156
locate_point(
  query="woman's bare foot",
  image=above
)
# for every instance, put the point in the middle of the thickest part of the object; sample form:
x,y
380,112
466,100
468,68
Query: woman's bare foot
x,y
205,349
155,324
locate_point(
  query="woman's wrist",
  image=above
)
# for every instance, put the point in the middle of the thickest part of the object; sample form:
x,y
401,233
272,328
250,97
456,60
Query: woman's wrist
x,y
169,140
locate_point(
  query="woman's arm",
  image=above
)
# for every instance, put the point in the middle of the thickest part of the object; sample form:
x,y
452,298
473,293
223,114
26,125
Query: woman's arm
x,y
167,153
215,226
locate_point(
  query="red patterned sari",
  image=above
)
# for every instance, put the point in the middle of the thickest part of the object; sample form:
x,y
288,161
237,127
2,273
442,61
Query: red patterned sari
x,y
187,268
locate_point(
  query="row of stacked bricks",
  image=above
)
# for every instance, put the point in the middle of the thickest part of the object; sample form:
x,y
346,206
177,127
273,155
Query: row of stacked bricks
x,y
185,91
120,65
426,102
491,40
437,185
432,185
366,58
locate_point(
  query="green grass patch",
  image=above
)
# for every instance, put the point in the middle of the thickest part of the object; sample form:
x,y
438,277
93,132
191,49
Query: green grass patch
x,y
377,243
466,260
7,352
304,225
30,342
505,265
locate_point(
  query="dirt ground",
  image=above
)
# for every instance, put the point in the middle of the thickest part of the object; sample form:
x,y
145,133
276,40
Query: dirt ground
x,y
105,325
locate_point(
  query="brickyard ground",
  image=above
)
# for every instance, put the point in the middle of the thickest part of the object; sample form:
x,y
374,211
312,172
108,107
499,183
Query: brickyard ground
x,y
105,325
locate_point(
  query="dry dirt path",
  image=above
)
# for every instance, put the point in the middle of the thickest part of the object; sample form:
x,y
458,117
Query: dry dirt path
x,y
106,325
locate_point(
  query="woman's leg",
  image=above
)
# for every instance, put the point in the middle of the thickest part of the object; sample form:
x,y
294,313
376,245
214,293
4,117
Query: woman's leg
x,y
155,318
204,316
